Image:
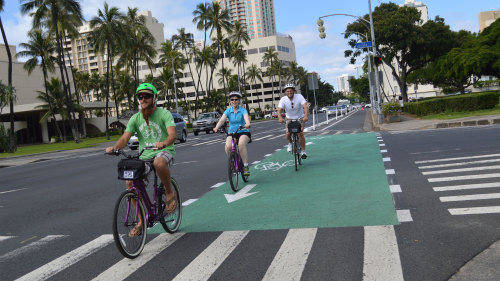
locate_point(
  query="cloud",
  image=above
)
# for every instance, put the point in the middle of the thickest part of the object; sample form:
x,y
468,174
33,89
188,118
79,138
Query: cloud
x,y
16,29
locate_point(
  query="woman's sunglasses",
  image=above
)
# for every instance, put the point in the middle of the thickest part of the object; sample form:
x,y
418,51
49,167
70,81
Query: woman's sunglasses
x,y
146,96
234,99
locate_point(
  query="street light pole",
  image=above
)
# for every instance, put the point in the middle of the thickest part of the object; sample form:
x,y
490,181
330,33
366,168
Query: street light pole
x,y
377,82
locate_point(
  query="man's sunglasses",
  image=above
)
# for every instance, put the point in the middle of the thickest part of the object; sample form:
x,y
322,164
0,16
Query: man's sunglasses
x,y
234,99
146,96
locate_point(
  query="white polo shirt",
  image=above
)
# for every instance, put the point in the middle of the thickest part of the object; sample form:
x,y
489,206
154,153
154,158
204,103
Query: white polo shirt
x,y
295,112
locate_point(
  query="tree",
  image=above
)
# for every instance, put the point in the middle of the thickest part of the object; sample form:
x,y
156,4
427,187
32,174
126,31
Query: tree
x,y
40,48
401,38
12,146
106,27
361,87
254,74
270,56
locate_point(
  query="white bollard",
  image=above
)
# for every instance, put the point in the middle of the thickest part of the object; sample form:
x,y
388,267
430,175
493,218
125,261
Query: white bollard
x,y
326,112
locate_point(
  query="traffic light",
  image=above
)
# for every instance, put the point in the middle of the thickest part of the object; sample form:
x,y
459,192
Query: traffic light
x,y
378,60
321,29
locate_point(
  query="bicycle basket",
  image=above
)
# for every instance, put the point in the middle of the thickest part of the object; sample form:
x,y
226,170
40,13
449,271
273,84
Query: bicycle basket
x,y
131,169
294,127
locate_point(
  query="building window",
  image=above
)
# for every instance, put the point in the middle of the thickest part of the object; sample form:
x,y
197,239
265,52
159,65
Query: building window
x,y
262,50
252,51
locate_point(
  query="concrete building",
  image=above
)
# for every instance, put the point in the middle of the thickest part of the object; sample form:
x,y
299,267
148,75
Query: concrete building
x,y
256,15
487,18
343,83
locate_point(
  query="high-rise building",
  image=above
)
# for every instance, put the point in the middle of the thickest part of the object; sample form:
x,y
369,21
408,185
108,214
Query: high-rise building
x,y
487,18
343,83
421,7
256,15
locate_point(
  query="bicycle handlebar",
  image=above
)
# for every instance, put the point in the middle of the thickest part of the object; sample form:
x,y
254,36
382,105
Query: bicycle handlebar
x,y
118,151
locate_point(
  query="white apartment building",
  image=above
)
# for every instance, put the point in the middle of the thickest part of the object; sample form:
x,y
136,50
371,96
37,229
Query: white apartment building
x,y
256,15
343,83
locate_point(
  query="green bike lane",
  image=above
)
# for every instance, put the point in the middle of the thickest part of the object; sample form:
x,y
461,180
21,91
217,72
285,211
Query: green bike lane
x,y
342,183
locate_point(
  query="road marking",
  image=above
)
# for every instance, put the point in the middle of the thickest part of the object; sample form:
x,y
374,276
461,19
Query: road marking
x,y
470,177
125,267
217,184
240,194
277,149
381,254
382,144
289,262
467,186
187,162
459,164
395,188
462,170
2,238
255,162
277,137
263,137
386,159
383,150
469,197
31,247
50,269
390,172
14,190
404,215
209,142
205,264
267,155
324,133
31,238
188,202
457,158
475,211
338,133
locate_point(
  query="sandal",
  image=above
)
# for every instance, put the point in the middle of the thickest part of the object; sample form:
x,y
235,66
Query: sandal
x,y
136,231
173,206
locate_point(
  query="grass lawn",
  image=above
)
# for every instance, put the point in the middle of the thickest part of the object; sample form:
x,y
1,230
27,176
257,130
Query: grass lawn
x,y
48,147
456,115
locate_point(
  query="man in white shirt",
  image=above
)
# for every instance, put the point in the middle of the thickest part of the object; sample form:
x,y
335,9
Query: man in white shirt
x,y
296,108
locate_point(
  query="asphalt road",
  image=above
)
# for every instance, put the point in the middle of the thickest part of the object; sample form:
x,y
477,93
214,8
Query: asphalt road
x,y
55,216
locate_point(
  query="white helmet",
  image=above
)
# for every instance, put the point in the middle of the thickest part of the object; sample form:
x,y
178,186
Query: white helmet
x,y
290,85
235,93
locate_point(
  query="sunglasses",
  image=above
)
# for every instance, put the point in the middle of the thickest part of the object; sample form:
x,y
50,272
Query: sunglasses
x,y
234,99
147,96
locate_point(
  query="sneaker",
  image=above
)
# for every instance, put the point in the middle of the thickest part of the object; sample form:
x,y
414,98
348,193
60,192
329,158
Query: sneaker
x,y
246,171
303,154
289,148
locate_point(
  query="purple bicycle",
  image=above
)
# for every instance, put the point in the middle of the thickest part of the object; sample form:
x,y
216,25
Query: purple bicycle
x,y
135,211
235,163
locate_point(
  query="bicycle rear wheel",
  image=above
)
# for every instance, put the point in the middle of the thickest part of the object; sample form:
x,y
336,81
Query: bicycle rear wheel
x,y
232,170
171,221
126,217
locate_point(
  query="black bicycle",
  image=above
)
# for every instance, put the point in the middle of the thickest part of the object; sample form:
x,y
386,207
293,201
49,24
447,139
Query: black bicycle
x,y
294,128
135,211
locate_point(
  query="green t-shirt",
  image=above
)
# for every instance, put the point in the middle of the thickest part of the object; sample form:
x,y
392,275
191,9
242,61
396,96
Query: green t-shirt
x,y
155,132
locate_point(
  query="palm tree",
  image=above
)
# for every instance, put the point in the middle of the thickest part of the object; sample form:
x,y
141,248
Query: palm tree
x,y
105,27
201,17
239,60
254,73
51,8
125,86
12,146
270,56
40,46
240,35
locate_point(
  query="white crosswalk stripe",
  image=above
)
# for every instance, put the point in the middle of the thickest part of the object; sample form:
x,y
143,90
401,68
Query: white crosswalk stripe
x,y
381,254
34,246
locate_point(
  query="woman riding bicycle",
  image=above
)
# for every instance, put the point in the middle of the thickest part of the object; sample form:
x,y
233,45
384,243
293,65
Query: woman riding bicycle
x,y
237,116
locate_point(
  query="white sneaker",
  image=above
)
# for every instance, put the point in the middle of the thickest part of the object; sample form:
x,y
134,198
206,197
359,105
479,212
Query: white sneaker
x,y
289,148
303,154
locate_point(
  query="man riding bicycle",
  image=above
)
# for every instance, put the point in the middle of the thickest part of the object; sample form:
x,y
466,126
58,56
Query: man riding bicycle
x,y
237,116
154,127
295,106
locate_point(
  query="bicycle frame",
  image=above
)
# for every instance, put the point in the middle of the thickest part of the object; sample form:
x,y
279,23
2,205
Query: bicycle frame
x,y
236,152
140,189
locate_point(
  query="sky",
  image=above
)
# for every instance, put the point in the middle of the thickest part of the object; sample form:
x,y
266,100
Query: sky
x,y
293,17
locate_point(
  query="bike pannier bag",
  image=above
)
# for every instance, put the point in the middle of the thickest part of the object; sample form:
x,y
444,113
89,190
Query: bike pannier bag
x,y
294,127
131,169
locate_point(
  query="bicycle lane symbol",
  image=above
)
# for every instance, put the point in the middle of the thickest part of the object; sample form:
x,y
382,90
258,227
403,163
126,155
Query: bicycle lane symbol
x,y
273,166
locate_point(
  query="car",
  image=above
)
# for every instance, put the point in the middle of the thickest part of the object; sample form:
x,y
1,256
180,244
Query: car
x,y
368,105
332,110
324,109
206,122
133,142
180,126
342,109
267,116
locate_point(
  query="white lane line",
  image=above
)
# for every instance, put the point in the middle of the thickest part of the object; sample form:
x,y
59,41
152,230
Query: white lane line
x,y
475,211
283,136
209,142
255,162
404,215
262,137
470,177
2,238
382,144
187,162
217,184
381,254
14,190
395,188
386,159
338,133
380,140
460,164
496,167
324,133
383,150
205,264
390,172
289,262
124,268
469,197
277,149
31,247
188,202
466,186
50,269
267,155
457,158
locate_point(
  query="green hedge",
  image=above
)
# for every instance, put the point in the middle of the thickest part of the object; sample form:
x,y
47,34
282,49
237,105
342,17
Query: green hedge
x,y
460,103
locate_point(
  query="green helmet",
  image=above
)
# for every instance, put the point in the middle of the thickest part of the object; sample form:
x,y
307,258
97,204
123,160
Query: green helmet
x,y
147,86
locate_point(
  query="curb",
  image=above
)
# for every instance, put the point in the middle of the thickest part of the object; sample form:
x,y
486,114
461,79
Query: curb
x,y
481,122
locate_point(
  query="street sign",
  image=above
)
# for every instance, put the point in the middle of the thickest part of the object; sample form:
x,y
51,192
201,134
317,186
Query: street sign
x,y
361,45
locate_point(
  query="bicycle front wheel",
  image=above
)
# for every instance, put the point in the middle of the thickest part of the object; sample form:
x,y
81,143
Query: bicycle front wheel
x,y
295,150
170,221
232,170
129,225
